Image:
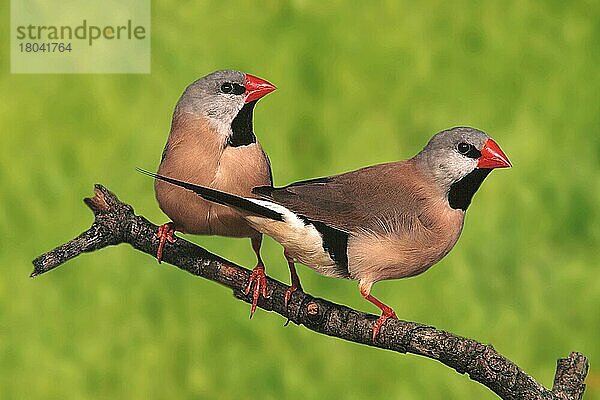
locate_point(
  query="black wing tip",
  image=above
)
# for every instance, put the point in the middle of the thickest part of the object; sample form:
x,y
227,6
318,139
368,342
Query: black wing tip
x,y
263,190
324,179
267,191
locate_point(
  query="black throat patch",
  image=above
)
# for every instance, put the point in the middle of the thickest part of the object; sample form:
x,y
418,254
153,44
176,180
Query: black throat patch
x,y
241,126
461,192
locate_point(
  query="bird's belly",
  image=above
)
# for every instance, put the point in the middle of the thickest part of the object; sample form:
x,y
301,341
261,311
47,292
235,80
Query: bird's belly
x,y
235,171
375,257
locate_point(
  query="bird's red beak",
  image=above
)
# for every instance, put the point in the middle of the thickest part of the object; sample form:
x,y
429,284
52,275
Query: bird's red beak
x,y
256,88
492,156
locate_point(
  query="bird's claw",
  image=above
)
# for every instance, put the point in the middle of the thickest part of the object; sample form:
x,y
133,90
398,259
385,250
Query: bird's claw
x,y
258,279
386,314
164,234
288,293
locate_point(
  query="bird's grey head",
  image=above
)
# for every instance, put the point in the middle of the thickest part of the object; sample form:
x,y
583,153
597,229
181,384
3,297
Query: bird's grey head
x,y
452,154
218,96
226,99
458,160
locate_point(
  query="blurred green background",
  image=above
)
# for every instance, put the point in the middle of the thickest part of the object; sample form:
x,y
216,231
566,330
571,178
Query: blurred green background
x,y
359,83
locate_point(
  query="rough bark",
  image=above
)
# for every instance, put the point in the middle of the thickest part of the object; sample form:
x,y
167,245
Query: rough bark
x,y
115,223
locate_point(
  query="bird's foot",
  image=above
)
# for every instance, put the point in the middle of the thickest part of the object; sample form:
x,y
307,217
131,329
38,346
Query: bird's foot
x,y
258,279
288,293
164,234
293,276
386,313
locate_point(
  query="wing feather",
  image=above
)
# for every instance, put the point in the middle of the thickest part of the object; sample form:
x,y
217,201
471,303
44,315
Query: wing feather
x,y
352,201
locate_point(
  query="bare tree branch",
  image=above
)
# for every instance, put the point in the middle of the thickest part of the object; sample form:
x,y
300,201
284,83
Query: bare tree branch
x,y
115,223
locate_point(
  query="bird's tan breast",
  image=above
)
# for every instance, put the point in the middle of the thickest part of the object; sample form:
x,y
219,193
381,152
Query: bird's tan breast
x,y
198,154
242,168
407,246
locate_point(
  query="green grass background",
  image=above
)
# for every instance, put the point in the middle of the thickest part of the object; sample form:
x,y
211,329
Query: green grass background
x,y
359,83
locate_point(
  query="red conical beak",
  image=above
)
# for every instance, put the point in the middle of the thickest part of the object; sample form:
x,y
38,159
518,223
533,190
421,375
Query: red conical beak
x,y
492,156
256,88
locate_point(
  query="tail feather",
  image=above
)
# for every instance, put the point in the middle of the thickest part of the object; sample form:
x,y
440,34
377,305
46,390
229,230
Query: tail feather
x,y
222,198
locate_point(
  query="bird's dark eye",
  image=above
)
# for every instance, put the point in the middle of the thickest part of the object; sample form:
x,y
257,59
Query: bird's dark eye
x,y
468,150
233,88
463,148
226,87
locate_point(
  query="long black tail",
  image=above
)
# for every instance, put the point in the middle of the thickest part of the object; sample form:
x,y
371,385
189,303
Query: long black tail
x,y
219,197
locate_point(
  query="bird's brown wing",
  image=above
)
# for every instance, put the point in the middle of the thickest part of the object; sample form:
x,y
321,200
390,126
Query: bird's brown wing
x,y
350,201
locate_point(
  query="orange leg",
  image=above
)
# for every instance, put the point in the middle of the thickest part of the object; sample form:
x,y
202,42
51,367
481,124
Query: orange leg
x,y
386,311
294,276
258,278
164,234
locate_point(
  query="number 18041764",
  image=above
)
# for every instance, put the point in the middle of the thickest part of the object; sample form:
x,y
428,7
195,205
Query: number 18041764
x,y
49,47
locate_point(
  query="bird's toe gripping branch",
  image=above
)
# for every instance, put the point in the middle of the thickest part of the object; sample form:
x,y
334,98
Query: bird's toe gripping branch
x,y
386,311
165,234
258,279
